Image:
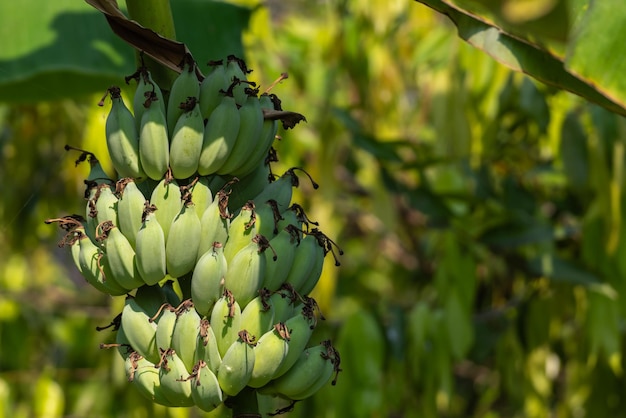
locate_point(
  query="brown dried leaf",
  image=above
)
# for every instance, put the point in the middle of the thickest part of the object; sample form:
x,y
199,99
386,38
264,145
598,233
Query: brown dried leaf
x,y
168,52
288,118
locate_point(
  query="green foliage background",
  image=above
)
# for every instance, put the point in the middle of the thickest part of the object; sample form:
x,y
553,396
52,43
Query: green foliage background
x,y
479,211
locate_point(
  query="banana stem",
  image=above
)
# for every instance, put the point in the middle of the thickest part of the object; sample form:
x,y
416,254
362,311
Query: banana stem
x,y
245,404
155,15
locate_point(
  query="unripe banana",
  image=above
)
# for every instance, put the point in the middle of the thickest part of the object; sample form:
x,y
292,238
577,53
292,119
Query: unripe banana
x,y
174,379
119,256
139,330
167,198
236,72
283,301
92,268
250,126
269,353
237,365
154,145
165,327
184,86
102,206
122,138
281,189
226,321
186,333
331,366
258,316
211,89
249,186
186,143
150,248
96,177
315,364
285,245
304,261
241,230
313,277
181,247
267,218
206,346
300,327
220,135
207,281
269,129
205,389
201,195
147,93
214,224
130,208
246,271
121,342
145,377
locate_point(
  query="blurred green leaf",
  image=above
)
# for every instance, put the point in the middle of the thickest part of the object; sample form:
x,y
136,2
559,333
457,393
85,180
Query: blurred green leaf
x,y
66,49
592,48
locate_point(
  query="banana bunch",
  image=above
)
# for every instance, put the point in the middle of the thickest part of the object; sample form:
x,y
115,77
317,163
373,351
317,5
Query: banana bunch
x,y
214,258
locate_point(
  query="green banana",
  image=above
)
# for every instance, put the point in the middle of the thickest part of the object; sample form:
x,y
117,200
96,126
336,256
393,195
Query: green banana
x,y
300,327
281,191
211,89
147,92
122,138
267,218
266,138
91,266
186,142
304,260
150,248
318,255
214,224
246,271
237,365
241,230
258,316
206,346
249,185
121,342
165,326
220,135
167,198
283,300
225,321
154,150
181,246
145,377
139,330
184,86
186,333
315,364
250,126
174,380
102,206
130,208
236,73
119,256
331,366
285,245
201,195
269,353
207,281
205,389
